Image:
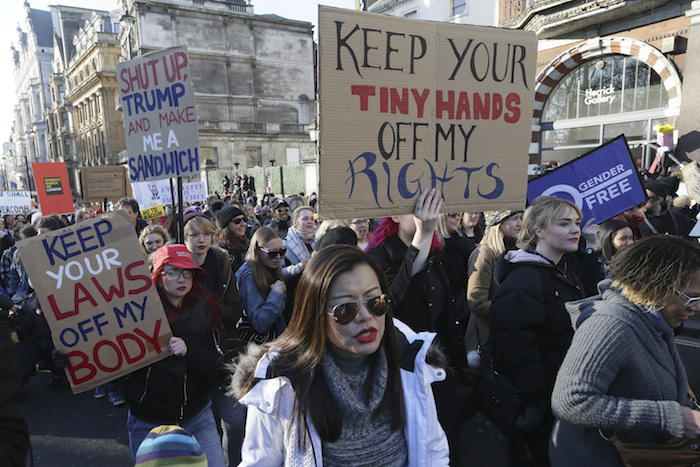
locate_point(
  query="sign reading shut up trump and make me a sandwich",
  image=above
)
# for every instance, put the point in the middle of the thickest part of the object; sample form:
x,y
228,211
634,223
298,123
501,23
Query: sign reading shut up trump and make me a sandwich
x,y
407,105
160,118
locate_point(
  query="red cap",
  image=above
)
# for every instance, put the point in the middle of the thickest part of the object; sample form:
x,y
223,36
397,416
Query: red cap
x,y
175,255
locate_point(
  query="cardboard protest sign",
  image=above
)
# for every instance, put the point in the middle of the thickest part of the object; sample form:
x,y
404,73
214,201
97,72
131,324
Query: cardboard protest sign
x,y
160,118
603,182
407,104
691,177
157,193
100,183
53,187
15,202
98,297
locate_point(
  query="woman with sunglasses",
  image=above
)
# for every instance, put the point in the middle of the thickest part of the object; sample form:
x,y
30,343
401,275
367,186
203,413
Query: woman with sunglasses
x,y
261,285
175,391
622,374
232,235
342,377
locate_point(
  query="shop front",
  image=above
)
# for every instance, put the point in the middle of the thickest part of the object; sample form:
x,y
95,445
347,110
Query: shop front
x,y
598,90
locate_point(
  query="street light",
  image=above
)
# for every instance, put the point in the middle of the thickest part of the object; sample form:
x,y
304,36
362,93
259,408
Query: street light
x,y
129,21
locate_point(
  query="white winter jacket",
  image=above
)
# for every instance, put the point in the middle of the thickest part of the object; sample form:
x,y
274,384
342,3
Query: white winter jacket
x,y
270,440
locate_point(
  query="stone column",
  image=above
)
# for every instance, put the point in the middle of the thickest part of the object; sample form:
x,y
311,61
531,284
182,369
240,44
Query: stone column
x,y
689,122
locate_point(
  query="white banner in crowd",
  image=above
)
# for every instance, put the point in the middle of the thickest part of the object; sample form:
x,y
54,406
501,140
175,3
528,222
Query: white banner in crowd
x,y
157,193
15,202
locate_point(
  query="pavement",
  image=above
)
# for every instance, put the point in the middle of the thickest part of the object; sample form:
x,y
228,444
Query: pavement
x,y
77,430
74,430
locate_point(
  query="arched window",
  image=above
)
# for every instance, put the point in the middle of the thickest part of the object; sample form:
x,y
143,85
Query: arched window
x,y
599,100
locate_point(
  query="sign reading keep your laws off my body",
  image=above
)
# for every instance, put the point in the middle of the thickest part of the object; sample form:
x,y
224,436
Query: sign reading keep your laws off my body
x,y
160,119
98,298
407,105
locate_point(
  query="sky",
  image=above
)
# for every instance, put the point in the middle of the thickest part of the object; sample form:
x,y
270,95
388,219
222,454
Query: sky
x,y
13,13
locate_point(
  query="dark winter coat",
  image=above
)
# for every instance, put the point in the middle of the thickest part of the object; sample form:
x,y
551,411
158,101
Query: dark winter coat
x,y
530,328
424,301
457,249
174,390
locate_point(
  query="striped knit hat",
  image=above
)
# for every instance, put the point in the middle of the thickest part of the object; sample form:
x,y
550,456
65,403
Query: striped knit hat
x,y
170,445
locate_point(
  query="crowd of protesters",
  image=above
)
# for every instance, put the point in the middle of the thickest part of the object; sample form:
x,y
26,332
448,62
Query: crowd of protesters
x,y
335,308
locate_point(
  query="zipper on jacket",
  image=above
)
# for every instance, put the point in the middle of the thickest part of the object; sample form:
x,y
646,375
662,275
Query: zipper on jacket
x,y
184,393
215,336
145,386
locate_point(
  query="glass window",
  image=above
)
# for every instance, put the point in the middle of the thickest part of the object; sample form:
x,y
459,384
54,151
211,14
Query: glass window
x,y
253,156
632,130
610,85
459,7
571,136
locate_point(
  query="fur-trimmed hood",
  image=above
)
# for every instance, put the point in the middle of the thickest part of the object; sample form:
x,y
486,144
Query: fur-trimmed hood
x,y
243,368
246,365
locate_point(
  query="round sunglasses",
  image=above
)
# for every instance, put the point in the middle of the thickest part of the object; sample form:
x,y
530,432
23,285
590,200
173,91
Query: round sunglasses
x,y
343,313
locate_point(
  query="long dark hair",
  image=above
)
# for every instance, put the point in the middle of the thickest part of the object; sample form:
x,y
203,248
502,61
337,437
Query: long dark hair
x,y
234,245
302,344
607,232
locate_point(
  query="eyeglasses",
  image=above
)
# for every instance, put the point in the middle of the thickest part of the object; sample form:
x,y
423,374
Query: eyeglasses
x,y
688,300
202,234
343,313
174,274
360,221
282,209
273,254
238,220
454,215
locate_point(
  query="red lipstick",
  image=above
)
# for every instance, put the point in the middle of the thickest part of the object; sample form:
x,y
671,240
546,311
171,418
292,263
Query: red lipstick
x,y
366,336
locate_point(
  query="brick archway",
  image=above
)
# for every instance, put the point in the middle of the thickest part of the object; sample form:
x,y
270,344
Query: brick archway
x,y
593,48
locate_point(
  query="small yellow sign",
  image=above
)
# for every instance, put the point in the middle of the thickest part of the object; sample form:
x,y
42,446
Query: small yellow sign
x,y
153,213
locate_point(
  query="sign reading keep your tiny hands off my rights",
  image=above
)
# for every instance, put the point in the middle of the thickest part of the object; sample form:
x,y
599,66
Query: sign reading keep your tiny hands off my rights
x,y
407,105
160,119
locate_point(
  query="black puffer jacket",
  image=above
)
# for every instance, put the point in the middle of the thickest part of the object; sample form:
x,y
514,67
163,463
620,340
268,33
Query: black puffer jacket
x,y
424,301
176,389
530,327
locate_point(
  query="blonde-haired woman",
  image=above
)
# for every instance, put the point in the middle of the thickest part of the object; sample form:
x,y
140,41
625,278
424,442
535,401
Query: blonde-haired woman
x,y
501,234
261,285
530,328
300,240
327,225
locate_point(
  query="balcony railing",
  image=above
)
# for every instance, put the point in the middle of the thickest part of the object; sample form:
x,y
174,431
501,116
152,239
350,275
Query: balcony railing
x,y
254,127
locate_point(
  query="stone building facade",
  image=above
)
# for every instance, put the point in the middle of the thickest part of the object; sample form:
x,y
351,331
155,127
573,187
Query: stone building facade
x,y
604,68
477,12
32,56
253,77
91,75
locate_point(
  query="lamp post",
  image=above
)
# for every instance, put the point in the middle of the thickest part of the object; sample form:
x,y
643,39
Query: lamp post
x,y
128,21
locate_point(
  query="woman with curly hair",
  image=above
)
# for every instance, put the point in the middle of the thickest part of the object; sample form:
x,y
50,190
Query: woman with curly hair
x,y
622,374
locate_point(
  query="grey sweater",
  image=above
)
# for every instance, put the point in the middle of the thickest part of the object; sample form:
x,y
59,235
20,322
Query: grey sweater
x,y
620,375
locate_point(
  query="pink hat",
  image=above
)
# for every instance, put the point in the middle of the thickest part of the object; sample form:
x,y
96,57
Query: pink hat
x,y
175,255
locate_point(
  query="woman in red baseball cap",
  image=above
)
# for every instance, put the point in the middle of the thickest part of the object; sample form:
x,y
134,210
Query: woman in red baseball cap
x,y
175,391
